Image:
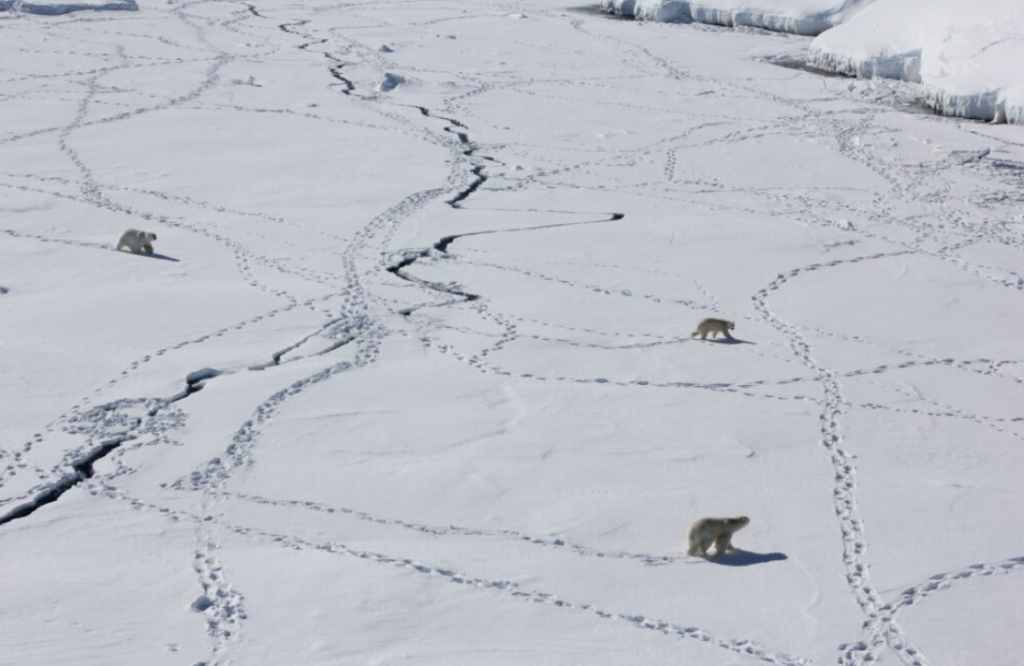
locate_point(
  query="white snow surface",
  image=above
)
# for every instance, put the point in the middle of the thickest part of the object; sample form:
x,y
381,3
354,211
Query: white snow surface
x,y
802,17
971,63
409,377
49,7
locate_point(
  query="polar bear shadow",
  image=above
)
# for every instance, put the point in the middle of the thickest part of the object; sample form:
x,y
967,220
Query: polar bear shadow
x,y
155,255
730,341
745,558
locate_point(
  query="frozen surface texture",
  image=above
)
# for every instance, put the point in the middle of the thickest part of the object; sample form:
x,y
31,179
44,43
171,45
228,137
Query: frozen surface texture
x,y
46,7
802,17
970,61
410,378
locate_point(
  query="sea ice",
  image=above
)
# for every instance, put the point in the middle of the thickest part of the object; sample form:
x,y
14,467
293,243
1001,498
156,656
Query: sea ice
x,y
971,63
54,8
803,17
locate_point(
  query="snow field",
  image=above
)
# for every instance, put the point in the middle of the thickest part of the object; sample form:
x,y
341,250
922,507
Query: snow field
x,y
460,417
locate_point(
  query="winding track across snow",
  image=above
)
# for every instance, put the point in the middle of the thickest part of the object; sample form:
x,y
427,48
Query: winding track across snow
x,y
375,290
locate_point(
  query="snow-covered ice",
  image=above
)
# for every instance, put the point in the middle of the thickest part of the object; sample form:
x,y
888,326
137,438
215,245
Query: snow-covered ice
x,y
971,62
802,17
55,7
411,377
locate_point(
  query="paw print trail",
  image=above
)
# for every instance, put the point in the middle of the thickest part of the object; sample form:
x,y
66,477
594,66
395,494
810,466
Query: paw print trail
x,y
105,429
455,530
512,590
214,587
358,315
882,629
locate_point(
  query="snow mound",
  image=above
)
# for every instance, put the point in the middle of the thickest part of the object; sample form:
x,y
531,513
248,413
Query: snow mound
x,y
55,8
802,17
202,375
390,82
970,63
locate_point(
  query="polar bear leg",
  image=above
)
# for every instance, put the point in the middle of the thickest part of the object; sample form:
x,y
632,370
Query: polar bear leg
x,y
699,546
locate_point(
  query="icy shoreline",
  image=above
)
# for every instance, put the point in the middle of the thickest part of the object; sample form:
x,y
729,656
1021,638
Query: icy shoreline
x,y
969,65
57,8
989,105
807,17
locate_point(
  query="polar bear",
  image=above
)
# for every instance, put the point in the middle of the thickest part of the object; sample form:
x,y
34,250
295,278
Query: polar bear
x,y
714,326
137,241
719,531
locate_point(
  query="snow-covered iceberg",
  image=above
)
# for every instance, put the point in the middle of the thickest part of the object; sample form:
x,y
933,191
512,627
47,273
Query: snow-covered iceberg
x,y
802,17
51,8
971,63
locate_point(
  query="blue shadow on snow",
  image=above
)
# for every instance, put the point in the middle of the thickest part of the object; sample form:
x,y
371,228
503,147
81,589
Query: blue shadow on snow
x,y
162,257
745,558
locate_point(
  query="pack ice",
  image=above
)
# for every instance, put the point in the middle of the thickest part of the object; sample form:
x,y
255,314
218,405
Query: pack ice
x,y
411,378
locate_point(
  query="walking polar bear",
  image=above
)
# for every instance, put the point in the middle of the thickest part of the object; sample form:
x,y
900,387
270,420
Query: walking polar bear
x,y
718,531
137,241
713,326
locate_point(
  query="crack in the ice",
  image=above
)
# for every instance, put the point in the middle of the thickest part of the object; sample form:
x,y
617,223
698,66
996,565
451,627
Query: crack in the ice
x,y
252,10
82,467
334,70
410,257
350,330
478,179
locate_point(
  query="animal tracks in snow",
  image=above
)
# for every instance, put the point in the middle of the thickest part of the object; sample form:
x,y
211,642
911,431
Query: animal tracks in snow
x,y
460,228
454,530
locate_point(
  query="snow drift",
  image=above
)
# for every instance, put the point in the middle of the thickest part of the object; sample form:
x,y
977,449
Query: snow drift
x,y
55,8
802,17
970,62
390,82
